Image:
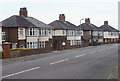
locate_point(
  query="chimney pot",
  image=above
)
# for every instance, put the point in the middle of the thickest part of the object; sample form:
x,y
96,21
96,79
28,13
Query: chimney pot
x,y
87,20
62,17
23,12
106,23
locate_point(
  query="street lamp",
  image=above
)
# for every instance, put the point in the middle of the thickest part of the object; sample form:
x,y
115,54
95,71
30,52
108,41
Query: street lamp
x,y
81,20
80,30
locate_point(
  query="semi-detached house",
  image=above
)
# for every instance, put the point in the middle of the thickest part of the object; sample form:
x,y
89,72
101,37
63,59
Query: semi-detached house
x,y
111,35
91,33
23,31
65,34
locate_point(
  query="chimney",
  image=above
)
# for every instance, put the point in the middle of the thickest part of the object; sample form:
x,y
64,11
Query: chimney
x,y
106,23
87,20
62,17
23,12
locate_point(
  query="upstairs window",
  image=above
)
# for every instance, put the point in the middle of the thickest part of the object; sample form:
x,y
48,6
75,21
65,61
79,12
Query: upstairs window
x,y
89,32
71,32
21,32
95,33
100,33
64,32
49,31
40,33
44,32
31,32
3,36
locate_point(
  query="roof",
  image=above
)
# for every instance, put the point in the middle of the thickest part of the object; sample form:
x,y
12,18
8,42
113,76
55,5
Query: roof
x,y
37,23
63,25
108,28
88,27
21,21
0,24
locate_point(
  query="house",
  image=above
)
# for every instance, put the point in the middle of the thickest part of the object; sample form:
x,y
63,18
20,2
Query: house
x,y
111,35
0,37
23,31
91,33
65,34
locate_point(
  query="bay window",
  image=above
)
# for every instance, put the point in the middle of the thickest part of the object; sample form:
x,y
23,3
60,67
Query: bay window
x,y
42,44
75,42
32,45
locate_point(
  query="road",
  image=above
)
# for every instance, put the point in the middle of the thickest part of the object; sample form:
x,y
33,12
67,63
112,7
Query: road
x,y
93,63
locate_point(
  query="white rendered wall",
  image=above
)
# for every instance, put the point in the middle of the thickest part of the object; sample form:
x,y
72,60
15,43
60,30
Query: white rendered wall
x,y
106,35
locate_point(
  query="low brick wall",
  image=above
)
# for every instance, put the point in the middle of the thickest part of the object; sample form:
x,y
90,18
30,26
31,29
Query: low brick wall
x,y
20,53
72,47
110,42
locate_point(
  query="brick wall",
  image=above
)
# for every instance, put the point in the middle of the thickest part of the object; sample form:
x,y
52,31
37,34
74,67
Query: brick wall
x,y
20,53
11,34
22,42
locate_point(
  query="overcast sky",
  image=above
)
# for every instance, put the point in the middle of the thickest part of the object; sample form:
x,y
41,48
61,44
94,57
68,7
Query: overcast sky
x,y
49,10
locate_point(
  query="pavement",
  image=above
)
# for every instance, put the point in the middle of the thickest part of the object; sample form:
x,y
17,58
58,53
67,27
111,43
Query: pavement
x,y
96,62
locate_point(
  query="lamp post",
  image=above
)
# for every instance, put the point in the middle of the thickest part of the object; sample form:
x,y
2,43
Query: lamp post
x,y
80,30
81,20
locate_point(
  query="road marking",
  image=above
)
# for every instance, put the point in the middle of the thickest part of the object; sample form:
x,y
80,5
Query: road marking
x,y
58,61
80,55
20,72
109,76
112,72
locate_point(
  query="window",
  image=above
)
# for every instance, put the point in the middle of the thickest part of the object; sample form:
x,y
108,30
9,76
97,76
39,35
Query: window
x,y
89,32
21,32
71,42
112,33
75,42
32,45
100,33
116,33
71,32
3,36
40,33
42,44
78,42
49,31
109,33
64,32
44,32
31,32
95,33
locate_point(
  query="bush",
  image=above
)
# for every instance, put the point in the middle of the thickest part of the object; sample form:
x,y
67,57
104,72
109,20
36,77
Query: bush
x,y
19,49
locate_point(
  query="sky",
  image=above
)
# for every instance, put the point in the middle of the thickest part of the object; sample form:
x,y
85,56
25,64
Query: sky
x,y
48,10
